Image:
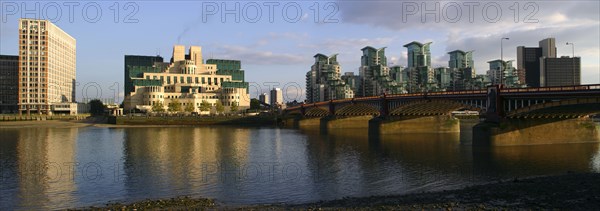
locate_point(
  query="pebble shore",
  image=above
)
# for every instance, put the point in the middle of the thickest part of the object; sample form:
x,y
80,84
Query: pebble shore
x,y
572,191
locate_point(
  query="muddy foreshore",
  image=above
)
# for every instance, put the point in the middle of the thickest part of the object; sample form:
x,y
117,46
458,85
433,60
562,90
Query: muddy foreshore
x,y
572,191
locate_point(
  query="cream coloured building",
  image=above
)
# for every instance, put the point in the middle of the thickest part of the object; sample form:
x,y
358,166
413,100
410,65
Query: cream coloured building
x,y
46,68
186,80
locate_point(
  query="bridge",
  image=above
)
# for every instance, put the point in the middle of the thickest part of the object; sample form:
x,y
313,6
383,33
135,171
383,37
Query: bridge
x,y
432,111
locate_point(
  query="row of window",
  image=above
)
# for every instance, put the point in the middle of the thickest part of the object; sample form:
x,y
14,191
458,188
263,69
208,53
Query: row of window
x,y
33,101
188,80
32,74
43,58
203,97
197,104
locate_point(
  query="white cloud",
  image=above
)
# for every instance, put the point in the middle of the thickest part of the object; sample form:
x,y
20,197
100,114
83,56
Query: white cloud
x,y
256,56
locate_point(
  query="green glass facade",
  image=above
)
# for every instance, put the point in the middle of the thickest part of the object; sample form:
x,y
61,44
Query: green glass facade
x,y
232,68
134,67
228,67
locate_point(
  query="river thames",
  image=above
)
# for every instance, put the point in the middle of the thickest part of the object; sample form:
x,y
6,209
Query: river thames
x,y
57,168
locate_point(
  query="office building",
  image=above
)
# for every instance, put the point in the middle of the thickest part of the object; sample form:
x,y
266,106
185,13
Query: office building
x,y
47,61
375,74
137,61
277,99
324,82
185,80
232,68
563,71
529,60
9,82
264,98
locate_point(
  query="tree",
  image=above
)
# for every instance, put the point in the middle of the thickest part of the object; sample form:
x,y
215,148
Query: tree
x,y
158,107
254,104
189,107
234,107
96,107
204,106
175,106
219,106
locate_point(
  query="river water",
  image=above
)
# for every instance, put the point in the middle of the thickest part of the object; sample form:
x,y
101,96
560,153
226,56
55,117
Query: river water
x,y
54,168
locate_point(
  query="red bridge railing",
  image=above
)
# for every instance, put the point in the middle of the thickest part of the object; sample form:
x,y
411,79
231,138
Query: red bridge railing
x,y
463,92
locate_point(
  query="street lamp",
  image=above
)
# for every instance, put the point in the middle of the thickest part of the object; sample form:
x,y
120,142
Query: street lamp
x,y
572,48
573,60
502,59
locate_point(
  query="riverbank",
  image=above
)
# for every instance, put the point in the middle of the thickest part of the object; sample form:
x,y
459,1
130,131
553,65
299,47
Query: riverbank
x,y
570,191
119,122
198,120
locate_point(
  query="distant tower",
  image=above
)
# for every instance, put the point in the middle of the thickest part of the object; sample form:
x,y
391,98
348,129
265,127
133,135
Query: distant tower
x,y
264,98
277,97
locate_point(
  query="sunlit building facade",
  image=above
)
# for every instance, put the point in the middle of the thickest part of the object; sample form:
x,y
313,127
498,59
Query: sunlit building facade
x,y
186,80
375,74
421,76
324,81
47,60
462,70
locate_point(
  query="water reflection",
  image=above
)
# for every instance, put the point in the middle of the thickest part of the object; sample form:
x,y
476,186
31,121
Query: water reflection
x,y
37,167
46,168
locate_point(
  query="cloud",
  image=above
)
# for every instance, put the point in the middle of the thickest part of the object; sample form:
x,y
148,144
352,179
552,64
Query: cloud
x,y
255,56
576,22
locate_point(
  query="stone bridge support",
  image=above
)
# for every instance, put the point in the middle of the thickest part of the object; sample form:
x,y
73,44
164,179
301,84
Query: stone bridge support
x,y
330,123
417,124
536,131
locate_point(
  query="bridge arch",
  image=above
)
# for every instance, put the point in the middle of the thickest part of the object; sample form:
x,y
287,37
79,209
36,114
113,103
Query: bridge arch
x,y
358,109
316,112
430,107
570,108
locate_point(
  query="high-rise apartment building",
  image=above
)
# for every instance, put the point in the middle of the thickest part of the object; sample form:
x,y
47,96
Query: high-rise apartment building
x,y
186,80
46,68
9,82
421,76
461,69
375,74
324,81
354,81
509,75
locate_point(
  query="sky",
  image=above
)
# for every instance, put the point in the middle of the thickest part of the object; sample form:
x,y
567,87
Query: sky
x,y
276,41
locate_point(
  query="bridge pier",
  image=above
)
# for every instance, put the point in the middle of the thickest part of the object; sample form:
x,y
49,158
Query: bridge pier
x,y
300,122
420,124
329,123
536,131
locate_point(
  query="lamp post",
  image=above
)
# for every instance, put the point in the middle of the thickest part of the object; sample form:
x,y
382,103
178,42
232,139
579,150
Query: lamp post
x,y
502,59
572,60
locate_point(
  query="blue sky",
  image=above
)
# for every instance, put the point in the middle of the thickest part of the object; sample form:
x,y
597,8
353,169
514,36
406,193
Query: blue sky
x,y
281,51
